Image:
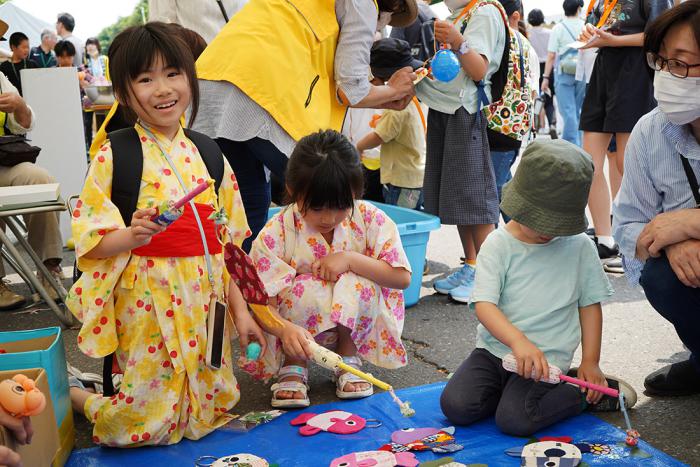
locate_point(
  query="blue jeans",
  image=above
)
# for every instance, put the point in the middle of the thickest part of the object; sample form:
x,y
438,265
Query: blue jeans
x,y
411,198
674,301
248,160
570,94
502,161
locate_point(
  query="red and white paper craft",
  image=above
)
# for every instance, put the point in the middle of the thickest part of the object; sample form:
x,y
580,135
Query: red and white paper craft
x,y
246,277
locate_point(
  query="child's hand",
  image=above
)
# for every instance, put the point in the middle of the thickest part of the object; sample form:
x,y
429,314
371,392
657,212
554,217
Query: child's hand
x,y
330,267
142,227
21,427
530,358
295,342
591,372
9,458
446,33
247,327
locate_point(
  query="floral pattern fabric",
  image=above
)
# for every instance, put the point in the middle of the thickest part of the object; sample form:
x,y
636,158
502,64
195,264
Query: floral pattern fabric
x,y
284,252
151,311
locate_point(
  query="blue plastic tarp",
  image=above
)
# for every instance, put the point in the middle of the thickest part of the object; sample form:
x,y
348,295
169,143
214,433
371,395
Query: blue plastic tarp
x,y
280,443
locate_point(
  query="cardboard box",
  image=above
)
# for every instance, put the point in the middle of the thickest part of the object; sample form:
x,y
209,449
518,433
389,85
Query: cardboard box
x,y
44,451
43,348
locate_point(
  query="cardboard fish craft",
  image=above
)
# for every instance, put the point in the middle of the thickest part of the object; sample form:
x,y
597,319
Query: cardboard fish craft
x,y
438,440
376,459
240,460
552,453
334,421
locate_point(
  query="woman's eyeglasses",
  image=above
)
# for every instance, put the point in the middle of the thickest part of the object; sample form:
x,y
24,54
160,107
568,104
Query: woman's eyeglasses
x,y
677,68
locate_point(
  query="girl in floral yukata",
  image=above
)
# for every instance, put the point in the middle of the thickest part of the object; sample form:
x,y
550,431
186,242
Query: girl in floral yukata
x,y
145,290
334,268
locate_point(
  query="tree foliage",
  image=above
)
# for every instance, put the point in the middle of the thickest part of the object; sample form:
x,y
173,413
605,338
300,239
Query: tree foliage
x,y
135,18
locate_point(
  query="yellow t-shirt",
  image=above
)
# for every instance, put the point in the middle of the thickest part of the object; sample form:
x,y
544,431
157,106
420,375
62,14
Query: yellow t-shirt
x,y
403,151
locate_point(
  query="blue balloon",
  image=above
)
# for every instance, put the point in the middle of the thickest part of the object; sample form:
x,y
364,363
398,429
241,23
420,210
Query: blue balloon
x,y
445,65
252,352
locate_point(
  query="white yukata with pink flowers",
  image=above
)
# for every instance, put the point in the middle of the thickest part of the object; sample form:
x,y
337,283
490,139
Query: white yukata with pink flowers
x,y
283,254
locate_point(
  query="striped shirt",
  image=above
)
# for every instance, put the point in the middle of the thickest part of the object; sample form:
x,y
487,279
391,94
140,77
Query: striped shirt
x,y
654,181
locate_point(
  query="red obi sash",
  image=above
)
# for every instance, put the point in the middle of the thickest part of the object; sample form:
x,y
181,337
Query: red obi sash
x,y
182,237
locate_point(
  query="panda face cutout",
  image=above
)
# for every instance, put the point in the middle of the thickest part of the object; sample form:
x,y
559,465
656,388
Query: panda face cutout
x,y
550,454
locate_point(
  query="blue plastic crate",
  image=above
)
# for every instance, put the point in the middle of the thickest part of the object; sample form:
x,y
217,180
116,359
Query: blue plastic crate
x,y
414,229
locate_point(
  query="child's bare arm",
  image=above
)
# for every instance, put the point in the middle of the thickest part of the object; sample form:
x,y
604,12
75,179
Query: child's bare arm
x,y
591,319
526,353
378,271
140,232
244,322
370,141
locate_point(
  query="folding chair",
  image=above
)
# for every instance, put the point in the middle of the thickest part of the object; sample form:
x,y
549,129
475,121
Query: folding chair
x,y
11,217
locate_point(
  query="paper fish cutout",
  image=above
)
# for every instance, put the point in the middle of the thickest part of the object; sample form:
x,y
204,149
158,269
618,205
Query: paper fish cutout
x,y
376,459
334,421
439,440
542,453
240,460
597,449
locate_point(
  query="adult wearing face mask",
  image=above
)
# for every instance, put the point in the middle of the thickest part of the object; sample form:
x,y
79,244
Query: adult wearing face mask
x,y
655,221
282,69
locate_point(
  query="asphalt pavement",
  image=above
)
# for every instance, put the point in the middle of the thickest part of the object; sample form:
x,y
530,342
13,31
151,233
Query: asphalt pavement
x,y
439,334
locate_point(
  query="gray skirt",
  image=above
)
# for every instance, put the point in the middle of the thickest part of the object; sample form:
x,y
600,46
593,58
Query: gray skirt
x,y
459,185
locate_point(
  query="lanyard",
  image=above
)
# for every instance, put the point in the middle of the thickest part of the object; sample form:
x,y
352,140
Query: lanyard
x,y
420,112
691,179
14,70
464,11
607,9
207,256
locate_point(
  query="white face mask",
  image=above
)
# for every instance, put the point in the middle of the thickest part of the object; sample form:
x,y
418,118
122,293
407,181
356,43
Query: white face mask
x,y
454,5
384,20
678,98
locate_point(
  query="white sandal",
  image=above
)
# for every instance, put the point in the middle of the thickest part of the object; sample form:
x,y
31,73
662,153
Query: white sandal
x,y
291,386
345,378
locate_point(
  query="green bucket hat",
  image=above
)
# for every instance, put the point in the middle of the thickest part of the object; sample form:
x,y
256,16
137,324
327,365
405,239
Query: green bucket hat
x,y
549,191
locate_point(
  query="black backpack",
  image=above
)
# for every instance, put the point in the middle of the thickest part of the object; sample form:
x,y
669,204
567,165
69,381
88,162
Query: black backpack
x,y
126,184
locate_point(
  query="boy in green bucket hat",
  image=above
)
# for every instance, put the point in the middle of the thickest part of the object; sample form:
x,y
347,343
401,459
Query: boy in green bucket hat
x,y
538,290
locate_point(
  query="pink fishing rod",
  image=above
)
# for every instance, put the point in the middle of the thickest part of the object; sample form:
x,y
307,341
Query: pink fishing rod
x,y
170,213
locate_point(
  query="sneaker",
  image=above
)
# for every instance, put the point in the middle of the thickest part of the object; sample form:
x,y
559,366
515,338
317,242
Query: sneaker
x,y
678,379
553,132
8,299
614,265
612,404
454,280
463,292
605,252
57,274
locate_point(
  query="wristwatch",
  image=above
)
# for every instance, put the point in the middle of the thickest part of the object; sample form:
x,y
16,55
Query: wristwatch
x,y
463,48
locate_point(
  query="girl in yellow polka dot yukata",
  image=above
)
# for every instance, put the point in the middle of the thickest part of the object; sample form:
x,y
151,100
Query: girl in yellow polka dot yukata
x,y
146,290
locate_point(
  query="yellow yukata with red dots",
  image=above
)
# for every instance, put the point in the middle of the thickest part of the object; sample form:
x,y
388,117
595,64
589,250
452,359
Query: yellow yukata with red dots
x,y
151,311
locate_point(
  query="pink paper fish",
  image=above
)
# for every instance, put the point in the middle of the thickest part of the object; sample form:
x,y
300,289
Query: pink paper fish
x,y
334,421
376,459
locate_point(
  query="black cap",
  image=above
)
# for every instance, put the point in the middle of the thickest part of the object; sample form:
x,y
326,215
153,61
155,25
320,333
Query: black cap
x,y
390,54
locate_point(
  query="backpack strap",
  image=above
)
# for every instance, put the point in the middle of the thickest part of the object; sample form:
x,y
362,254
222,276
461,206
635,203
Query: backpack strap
x,y
211,155
127,168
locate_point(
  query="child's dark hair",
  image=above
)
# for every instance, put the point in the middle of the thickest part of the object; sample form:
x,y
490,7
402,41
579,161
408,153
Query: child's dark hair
x,y
687,12
536,17
136,50
324,171
16,38
64,48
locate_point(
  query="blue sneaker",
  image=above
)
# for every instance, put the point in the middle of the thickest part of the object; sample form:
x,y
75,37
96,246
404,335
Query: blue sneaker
x,y
463,292
454,280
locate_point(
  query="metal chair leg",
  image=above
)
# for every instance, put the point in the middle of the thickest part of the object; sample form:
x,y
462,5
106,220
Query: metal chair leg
x,y
64,316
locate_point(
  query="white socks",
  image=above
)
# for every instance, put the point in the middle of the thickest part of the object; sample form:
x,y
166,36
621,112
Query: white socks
x,y
606,240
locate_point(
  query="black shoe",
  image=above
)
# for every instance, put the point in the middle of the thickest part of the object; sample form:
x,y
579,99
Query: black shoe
x,y
679,379
605,252
553,132
609,403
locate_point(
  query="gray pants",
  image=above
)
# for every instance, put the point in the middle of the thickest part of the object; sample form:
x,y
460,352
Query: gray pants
x,y
481,387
